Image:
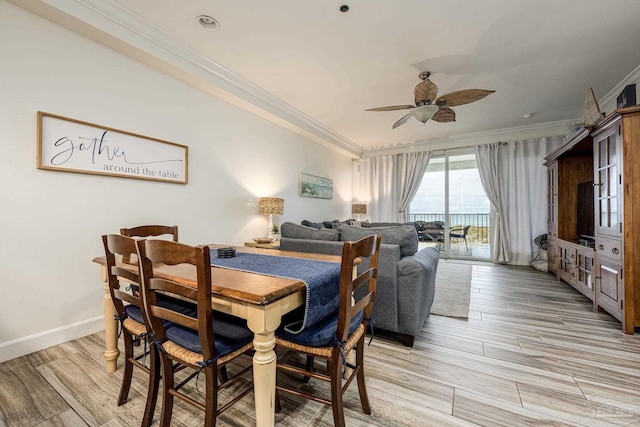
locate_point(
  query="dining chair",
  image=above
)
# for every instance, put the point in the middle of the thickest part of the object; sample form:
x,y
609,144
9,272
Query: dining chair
x,y
128,307
333,338
202,343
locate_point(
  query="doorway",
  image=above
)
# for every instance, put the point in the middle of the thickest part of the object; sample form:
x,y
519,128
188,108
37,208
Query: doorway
x,y
452,201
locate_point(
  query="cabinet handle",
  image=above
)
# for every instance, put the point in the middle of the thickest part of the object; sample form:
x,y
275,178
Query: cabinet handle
x,y
615,251
601,247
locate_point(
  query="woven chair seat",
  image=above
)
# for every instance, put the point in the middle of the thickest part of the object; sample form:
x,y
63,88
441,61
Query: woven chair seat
x,y
323,351
193,358
135,327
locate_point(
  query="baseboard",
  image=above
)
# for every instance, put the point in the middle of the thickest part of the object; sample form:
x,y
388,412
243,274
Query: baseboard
x,y
22,346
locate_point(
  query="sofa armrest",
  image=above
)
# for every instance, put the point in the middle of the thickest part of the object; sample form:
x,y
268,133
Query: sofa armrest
x,y
416,288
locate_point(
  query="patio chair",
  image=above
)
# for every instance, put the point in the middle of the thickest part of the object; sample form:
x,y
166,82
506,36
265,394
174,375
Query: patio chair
x,y
460,233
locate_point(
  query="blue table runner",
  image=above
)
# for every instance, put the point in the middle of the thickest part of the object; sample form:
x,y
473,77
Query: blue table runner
x,y
322,281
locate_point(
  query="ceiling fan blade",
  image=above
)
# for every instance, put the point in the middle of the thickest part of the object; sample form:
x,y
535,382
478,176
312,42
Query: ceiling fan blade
x,y
404,119
462,97
425,91
392,108
444,115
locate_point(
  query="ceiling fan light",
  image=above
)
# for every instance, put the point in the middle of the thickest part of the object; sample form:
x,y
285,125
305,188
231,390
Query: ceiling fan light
x,y
424,113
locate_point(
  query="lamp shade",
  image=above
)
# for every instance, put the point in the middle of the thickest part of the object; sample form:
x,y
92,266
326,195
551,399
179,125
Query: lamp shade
x,y
359,209
271,206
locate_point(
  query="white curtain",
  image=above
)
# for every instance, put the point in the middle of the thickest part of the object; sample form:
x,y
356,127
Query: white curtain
x,y
411,168
376,188
525,178
516,184
388,183
488,158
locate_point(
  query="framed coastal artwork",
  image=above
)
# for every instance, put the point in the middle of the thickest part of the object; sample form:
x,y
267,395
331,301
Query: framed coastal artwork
x,y
71,145
315,186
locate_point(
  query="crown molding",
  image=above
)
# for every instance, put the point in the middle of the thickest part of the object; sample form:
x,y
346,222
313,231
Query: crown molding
x,y
107,23
477,138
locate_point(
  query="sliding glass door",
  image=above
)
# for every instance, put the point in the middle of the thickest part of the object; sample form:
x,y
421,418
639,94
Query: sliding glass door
x,y
453,203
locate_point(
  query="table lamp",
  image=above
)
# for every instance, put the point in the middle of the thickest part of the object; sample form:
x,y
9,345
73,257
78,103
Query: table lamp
x,y
271,206
358,209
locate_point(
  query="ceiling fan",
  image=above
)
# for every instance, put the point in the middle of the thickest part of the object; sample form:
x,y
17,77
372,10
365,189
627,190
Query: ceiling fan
x,y
428,107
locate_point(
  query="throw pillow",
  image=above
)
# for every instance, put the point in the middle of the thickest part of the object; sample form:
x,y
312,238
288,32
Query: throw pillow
x,y
296,231
317,225
404,236
330,224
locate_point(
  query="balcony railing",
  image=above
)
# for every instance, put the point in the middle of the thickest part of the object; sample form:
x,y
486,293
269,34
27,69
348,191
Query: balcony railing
x,y
479,222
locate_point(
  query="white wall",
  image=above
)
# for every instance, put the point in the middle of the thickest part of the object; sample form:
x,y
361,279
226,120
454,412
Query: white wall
x,y
52,221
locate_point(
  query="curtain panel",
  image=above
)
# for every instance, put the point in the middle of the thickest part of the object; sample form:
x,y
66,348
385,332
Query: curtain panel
x,y
488,158
515,180
388,184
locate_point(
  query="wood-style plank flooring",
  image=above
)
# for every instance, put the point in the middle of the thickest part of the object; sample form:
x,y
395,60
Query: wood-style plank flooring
x,y
532,353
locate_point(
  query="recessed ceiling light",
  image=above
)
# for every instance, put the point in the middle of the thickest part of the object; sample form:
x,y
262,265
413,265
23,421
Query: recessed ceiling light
x,y
344,8
527,116
208,23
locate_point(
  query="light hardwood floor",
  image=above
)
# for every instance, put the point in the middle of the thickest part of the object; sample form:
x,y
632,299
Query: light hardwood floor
x,y
532,353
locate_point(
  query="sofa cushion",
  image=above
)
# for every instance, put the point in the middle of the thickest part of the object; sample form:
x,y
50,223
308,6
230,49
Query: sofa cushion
x,y
295,231
404,236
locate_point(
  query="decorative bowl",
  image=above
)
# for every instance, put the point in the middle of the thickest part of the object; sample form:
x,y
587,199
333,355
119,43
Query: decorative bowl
x,y
263,239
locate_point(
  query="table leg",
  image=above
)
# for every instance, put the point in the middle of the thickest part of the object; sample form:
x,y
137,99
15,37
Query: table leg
x,y
263,321
111,352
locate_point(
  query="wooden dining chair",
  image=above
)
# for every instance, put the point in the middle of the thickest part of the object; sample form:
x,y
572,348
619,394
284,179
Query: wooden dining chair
x,y
332,339
128,308
203,343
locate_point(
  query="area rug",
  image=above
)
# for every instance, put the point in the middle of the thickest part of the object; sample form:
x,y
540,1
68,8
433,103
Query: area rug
x,y
453,289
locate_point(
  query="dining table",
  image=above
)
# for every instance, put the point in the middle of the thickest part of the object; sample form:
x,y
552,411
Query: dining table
x,y
260,299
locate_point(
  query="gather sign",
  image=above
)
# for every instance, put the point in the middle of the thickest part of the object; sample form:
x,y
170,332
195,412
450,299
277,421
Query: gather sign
x,y
75,146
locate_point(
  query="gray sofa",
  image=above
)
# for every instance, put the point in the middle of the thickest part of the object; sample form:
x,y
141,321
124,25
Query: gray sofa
x,y
406,276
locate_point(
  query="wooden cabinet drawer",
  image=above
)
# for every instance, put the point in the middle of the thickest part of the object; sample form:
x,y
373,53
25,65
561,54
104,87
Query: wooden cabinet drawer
x,y
610,248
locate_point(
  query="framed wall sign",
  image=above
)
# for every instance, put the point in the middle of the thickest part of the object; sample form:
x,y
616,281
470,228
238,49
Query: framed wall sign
x,y
71,145
315,186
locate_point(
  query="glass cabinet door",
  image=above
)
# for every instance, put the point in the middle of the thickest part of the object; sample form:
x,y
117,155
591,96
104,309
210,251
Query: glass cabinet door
x,y
607,180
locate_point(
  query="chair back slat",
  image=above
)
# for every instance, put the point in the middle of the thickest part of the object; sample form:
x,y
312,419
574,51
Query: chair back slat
x,y
367,247
151,231
125,274
174,317
127,297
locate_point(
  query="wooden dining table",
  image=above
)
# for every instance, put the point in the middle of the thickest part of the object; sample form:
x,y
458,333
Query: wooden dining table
x,y
260,299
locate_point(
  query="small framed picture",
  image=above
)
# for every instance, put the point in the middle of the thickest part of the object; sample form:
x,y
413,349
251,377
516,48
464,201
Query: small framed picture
x,y
315,186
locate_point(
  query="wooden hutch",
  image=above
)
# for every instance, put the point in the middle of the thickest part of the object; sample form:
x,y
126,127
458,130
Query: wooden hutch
x,y
594,214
